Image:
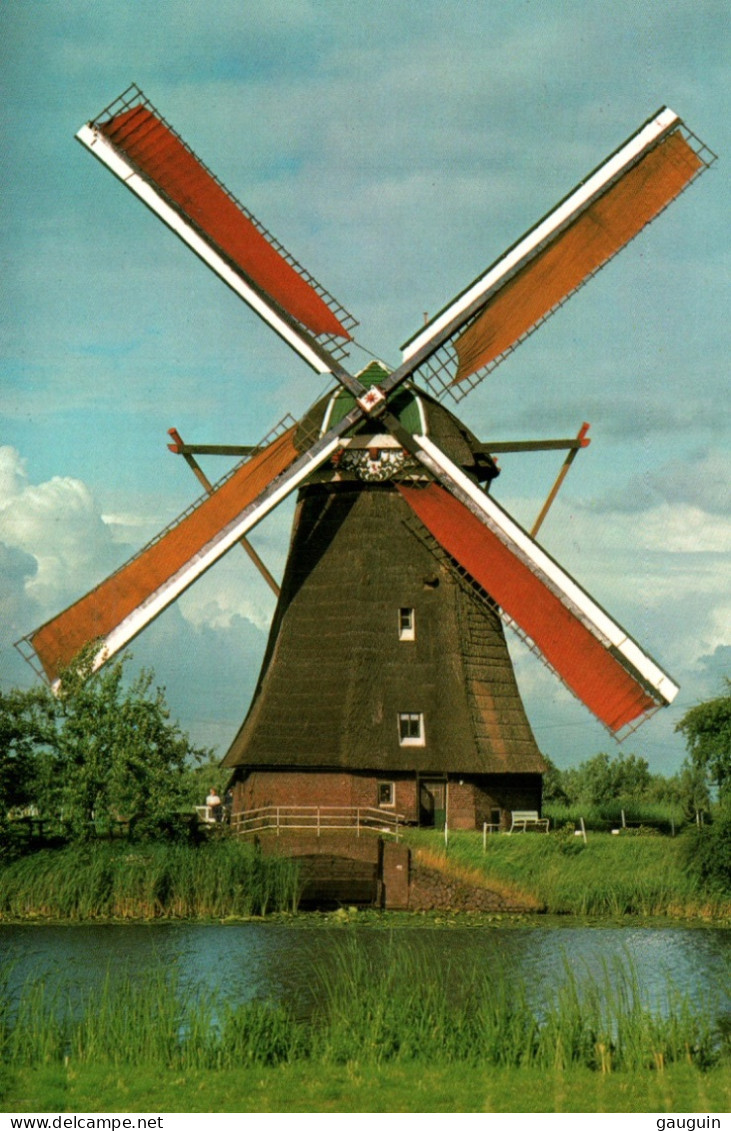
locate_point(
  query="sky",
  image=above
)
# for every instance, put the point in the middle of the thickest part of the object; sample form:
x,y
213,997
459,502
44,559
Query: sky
x,y
396,149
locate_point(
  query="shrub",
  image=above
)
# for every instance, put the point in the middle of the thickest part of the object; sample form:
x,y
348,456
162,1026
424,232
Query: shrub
x,y
708,854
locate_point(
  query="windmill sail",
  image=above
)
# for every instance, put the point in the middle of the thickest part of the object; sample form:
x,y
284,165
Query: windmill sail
x,y
153,161
119,608
589,227
591,653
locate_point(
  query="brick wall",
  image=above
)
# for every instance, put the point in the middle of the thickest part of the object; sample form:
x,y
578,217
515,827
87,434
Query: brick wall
x,y
263,788
472,801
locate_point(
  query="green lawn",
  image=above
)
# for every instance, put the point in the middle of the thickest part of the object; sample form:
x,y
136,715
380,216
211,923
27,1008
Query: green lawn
x,y
356,1088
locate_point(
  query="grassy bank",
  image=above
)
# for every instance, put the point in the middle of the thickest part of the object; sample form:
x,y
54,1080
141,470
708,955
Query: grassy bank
x,y
609,876
399,1020
156,881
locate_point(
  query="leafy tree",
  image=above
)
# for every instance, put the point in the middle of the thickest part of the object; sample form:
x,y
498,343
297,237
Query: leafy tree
x,y
692,788
602,780
27,736
707,730
101,751
553,787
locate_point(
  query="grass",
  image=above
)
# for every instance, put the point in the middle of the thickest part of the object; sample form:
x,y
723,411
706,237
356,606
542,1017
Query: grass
x,y
396,1088
396,1034
157,881
610,876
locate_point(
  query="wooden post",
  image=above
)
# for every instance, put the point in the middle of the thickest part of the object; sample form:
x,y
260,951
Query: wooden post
x,y
583,829
484,836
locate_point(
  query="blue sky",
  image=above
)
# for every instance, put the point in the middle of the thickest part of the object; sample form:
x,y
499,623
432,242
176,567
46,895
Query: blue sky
x,y
396,149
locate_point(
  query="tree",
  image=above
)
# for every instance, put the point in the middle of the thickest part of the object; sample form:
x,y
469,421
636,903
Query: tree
x,y
27,735
707,730
602,780
102,750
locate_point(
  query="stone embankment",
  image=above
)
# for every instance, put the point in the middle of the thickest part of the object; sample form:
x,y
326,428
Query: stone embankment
x,y
368,871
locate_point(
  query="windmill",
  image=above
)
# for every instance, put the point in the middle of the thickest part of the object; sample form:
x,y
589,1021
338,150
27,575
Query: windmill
x,y
387,680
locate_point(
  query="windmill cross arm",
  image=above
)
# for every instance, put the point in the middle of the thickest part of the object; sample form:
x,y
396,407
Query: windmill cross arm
x,y
299,331
471,299
522,548
483,324
113,613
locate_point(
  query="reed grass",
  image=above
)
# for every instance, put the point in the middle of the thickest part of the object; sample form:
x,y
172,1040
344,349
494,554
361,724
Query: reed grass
x,y
103,881
402,1007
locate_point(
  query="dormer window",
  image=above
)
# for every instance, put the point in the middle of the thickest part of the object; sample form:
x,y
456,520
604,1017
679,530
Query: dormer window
x,y
411,729
406,624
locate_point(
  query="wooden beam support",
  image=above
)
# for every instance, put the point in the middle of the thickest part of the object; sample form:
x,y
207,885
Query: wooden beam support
x,y
186,451
581,441
182,449
489,447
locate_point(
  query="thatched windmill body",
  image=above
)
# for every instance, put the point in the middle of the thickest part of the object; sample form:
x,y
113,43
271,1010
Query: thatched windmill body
x,y
386,681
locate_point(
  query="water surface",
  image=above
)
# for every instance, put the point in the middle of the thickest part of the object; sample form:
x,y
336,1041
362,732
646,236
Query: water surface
x,y
276,961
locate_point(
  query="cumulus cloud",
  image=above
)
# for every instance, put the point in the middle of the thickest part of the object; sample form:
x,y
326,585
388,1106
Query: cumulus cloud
x,y
17,568
57,524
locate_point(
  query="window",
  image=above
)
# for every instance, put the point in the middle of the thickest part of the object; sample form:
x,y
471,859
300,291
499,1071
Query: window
x,y
386,794
406,624
411,729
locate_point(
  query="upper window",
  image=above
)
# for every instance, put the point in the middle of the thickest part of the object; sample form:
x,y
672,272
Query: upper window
x,y
411,729
406,624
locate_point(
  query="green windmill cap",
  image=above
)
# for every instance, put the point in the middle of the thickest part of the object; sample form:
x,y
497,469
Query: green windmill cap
x,y
404,404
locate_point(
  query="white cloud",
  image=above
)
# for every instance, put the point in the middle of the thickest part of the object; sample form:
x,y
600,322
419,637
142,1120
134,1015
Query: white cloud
x,y
683,529
58,524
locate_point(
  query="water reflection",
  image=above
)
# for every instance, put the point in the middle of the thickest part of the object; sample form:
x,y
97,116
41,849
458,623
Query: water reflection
x,y
288,962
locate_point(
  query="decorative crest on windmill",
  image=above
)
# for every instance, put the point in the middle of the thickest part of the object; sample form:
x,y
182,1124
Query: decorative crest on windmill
x,y
386,680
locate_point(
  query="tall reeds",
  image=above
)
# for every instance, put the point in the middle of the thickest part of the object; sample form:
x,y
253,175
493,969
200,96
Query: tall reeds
x,y
215,880
401,1007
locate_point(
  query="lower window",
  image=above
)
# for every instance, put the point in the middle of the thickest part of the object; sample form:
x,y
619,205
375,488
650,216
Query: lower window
x,y
386,793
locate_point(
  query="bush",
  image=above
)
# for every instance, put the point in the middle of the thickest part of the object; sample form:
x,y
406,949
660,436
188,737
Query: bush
x,y
565,840
708,854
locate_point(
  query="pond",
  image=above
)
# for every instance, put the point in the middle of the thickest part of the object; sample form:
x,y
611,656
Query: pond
x,y
277,961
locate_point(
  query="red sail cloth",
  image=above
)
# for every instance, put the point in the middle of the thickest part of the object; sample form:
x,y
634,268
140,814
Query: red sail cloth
x,y
94,616
583,662
165,161
598,234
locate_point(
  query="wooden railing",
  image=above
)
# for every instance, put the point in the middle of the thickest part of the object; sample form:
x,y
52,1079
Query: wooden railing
x,y
317,819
